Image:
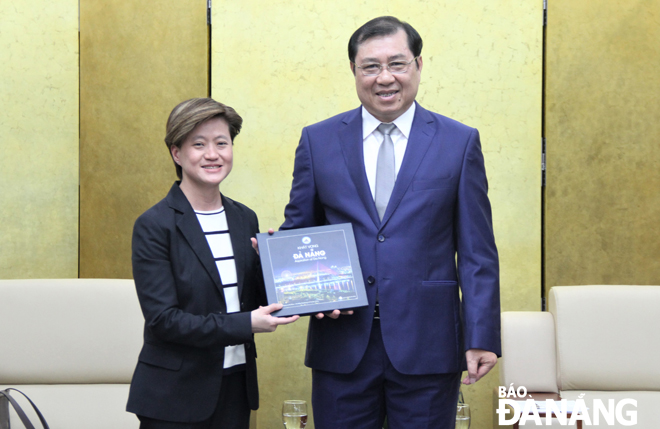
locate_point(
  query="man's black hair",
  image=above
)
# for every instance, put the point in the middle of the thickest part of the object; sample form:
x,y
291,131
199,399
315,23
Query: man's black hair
x,y
384,26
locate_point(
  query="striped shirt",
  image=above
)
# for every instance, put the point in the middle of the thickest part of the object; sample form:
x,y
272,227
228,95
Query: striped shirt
x,y
216,230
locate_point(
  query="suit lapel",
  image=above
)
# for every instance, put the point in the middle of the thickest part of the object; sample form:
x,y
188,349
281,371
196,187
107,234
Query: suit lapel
x,y
421,136
239,239
187,223
350,137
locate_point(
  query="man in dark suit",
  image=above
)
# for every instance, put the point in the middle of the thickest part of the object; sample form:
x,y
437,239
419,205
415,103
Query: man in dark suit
x,y
413,185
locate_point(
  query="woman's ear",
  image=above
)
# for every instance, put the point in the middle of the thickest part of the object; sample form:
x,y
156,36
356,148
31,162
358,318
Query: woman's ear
x,y
175,154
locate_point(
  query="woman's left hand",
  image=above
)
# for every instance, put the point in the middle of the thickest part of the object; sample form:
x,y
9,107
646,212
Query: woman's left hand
x,y
262,321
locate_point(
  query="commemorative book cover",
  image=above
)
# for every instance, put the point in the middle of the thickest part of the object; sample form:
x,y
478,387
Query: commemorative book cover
x,y
312,270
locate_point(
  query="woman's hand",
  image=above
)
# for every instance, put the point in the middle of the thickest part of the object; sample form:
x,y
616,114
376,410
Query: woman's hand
x,y
262,321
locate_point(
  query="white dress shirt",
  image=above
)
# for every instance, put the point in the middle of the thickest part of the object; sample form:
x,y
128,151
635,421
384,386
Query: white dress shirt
x,y
372,139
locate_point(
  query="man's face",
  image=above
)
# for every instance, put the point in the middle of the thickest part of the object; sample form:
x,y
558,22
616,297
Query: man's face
x,y
387,95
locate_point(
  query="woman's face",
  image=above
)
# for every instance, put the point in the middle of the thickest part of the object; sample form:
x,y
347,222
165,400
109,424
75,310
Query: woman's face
x,y
206,156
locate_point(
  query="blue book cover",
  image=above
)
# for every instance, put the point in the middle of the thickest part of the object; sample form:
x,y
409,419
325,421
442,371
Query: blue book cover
x,y
312,270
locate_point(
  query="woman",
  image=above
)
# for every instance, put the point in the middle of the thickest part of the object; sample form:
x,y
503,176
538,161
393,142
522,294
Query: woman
x,y
199,283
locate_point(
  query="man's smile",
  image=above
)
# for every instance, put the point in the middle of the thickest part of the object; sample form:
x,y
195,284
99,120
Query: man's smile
x,y
387,94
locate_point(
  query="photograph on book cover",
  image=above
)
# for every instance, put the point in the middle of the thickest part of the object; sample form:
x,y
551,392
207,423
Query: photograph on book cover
x,y
311,270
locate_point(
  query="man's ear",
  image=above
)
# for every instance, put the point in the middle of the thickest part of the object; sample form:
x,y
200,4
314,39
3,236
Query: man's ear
x,y
352,67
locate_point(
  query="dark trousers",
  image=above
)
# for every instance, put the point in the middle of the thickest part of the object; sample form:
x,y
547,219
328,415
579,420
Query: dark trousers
x,y
362,399
232,411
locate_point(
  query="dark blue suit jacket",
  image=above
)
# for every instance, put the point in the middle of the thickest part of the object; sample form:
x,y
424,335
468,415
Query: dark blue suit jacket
x,y
179,372
436,237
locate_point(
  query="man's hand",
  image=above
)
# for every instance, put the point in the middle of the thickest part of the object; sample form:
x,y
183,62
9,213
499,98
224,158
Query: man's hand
x,y
479,362
335,314
262,321
255,245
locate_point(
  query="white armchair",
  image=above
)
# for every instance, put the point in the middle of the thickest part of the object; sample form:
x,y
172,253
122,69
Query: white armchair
x,y
71,345
601,342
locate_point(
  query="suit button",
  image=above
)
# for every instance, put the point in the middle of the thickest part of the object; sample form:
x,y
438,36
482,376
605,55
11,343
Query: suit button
x,y
371,280
381,237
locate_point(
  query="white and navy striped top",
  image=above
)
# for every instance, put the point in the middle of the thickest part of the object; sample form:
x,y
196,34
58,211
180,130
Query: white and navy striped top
x,y
216,230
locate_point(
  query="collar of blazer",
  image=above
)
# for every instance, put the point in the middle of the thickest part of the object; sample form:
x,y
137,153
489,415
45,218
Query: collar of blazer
x,y
421,135
187,223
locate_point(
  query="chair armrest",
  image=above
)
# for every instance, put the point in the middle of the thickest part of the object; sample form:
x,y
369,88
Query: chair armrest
x,y
529,356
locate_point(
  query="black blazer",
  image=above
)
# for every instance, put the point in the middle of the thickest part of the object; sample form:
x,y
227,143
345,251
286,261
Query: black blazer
x,y
179,370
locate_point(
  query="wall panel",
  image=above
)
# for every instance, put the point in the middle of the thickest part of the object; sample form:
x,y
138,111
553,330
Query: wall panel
x,y
283,65
602,206
39,138
138,60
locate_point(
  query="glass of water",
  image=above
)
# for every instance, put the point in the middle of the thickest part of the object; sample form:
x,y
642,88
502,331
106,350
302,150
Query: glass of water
x,y
294,414
462,416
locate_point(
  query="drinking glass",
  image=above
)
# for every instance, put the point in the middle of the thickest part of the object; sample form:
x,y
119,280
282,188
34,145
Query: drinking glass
x,y
462,416
294,414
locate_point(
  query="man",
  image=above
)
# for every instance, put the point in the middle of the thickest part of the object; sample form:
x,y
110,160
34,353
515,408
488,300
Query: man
x,y
416,195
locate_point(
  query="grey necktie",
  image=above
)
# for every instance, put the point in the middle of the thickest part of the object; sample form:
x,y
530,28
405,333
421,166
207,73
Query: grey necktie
x,y
384,170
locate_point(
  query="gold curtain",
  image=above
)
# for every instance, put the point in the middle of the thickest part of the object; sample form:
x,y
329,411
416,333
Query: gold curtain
x,y
39,139
137,61
602,207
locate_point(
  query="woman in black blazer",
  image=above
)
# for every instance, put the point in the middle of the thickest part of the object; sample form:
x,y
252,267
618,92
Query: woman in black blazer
x,y
200,285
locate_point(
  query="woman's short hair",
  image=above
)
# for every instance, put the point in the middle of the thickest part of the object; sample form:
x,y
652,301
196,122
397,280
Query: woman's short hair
x,y
190,113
